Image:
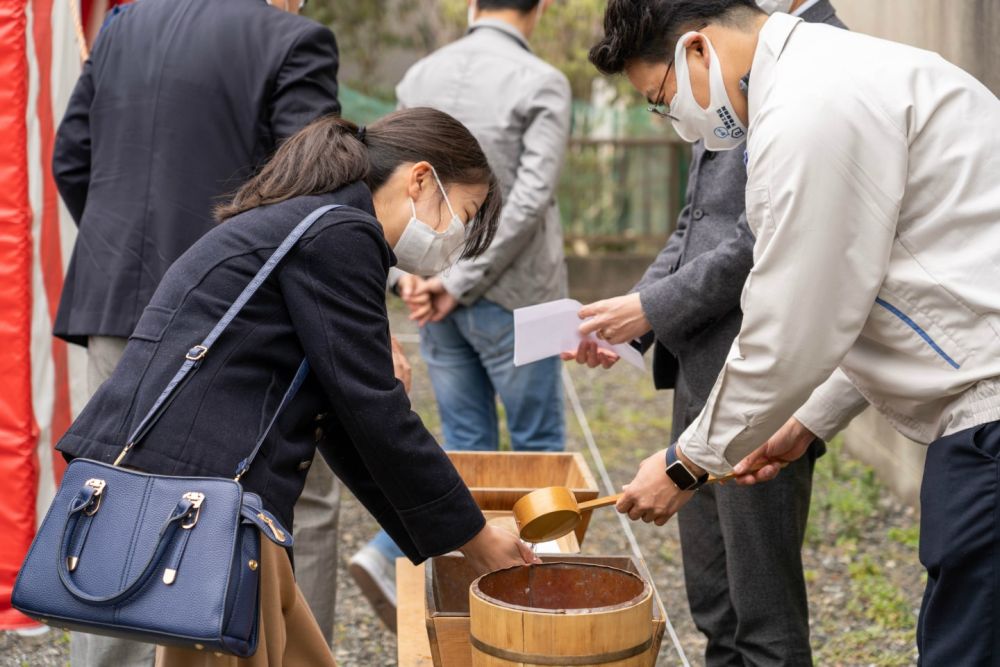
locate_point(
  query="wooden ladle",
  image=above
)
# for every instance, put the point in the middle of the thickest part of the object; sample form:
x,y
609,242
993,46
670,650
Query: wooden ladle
x,y
549,513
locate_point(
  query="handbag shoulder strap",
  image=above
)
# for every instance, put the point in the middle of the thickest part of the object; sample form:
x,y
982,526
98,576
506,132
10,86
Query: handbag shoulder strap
x,y
194,356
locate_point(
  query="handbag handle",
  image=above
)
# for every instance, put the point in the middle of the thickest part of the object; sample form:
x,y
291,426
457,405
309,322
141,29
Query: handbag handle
x,y
82,502
196,354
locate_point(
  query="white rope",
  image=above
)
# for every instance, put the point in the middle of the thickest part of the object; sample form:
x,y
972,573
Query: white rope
x,y
595,453
81,35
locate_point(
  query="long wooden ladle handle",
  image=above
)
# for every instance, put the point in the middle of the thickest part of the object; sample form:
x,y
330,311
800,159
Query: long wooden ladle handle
x,y
599,502
732,475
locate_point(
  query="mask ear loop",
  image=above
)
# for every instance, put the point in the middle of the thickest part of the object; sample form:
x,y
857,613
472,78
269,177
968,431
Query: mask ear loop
x,y
443,192
454,219
681,71
717,87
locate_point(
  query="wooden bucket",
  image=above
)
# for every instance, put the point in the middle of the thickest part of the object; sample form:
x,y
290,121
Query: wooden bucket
x,y
561,614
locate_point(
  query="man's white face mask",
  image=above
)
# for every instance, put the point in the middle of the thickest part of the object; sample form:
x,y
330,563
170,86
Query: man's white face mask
x,y
718,125
772,6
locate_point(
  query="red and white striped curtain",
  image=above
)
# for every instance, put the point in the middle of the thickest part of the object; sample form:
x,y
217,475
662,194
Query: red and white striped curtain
x,y
42,380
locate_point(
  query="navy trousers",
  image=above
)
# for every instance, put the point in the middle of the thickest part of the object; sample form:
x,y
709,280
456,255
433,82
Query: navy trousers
x,y
960,547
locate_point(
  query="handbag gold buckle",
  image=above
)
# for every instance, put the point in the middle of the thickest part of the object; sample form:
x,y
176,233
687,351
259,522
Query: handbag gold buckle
x,y
196,499
98,486
196,353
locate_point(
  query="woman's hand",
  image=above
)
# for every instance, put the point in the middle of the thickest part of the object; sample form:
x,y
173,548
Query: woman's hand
x,y
495,549
400,364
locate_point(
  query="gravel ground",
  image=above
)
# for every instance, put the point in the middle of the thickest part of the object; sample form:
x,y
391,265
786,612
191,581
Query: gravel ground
x,y
860,557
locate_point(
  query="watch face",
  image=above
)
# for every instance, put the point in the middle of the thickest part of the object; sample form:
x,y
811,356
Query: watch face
x,y
681,476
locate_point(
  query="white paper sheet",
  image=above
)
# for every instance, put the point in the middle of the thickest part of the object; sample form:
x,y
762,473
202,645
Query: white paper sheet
x,y
549,329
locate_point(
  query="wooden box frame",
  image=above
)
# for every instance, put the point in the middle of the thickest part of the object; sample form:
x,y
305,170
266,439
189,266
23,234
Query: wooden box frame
x,y
499,479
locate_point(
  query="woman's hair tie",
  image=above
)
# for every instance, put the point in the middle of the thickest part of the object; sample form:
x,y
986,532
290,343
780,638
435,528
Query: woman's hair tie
x,y
362,133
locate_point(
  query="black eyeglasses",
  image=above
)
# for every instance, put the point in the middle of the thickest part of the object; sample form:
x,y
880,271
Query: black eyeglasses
x,y
661,108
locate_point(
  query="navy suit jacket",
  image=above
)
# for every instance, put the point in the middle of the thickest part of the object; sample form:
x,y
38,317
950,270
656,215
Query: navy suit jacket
x,y
180,101
326,302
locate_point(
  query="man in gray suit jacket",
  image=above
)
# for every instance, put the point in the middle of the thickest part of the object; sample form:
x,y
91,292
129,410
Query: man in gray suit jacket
x,y
743,575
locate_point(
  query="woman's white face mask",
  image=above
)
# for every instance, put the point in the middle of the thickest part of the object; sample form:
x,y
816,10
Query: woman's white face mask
x,y
421,250
718,125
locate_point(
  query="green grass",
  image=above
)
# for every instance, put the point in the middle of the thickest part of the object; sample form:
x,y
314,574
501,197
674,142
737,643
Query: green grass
x,y
844,506
860,647
876,598
845,497
908,537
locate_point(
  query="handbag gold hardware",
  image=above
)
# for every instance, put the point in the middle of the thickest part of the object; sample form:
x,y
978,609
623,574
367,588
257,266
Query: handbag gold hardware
x,y
278,534
123,453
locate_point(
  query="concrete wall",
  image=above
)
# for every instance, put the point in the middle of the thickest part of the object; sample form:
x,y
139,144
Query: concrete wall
x,y
966,32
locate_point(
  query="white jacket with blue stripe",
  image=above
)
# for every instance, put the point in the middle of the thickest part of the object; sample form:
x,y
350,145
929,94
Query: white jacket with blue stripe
x,y
874,193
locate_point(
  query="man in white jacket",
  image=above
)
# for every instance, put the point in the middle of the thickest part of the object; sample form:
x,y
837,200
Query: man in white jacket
x,y
874,194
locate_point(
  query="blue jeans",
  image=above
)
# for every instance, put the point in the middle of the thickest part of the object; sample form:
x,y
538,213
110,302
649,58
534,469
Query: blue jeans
x,y
470,359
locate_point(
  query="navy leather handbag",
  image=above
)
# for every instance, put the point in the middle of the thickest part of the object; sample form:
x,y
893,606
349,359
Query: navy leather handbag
x,y
165,560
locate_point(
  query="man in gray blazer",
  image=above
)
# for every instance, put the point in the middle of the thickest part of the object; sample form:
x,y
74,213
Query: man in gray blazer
x,y
743,574
518,108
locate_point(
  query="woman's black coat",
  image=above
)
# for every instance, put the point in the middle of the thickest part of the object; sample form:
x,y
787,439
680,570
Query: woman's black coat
x,y
325,301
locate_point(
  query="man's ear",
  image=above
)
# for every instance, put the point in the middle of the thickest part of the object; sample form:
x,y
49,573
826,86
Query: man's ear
x,y
696,46
420,176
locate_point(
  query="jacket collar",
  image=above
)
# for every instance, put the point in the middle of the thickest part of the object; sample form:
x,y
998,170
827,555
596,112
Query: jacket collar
x,y
821,12
771,43
501,26
356,195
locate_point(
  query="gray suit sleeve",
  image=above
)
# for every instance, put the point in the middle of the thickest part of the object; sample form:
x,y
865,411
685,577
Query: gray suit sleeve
x,y
665,262
524,209
701,291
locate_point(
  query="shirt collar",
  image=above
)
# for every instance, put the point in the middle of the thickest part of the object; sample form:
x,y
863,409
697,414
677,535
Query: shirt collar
x,y
501,26
770,43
